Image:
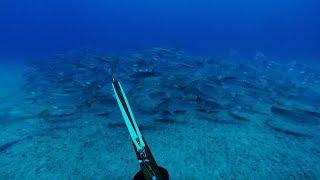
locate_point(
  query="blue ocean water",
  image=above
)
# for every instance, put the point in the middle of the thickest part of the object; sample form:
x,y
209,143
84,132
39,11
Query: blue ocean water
x,y
286,29
220,89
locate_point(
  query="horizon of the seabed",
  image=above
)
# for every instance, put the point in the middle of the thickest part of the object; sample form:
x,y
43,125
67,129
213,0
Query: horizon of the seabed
x,y
232,54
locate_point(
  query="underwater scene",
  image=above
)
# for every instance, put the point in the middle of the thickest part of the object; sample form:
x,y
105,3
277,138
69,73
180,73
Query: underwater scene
x,y
160,89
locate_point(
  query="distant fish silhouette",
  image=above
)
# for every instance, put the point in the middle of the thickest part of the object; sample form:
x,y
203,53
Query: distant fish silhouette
x,y
10,144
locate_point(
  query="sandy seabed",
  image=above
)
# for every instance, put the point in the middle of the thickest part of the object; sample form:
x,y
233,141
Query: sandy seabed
x,y
190,148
